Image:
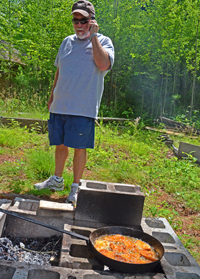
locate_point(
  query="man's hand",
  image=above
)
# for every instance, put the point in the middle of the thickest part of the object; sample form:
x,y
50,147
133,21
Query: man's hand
x,y
93,26
101,57
54,85
50,101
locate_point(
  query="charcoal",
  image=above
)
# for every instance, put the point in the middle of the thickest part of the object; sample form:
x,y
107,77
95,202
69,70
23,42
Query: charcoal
x,y
30,251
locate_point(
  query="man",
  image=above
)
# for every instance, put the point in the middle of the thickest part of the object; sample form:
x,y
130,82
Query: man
x,y
82,63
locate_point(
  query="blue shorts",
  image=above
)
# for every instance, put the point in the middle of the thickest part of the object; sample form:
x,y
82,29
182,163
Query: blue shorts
x,y
72,131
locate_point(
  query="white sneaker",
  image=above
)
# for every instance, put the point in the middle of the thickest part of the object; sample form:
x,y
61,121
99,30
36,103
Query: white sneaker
x,y
72,198
51,184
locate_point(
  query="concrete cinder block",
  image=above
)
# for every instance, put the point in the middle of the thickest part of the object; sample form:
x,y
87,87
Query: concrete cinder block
x,y
55,272
36,124
110,203
187,148
41,274
177,262
20,274
26,204
75,252
6,271
55,209
4,204
23,228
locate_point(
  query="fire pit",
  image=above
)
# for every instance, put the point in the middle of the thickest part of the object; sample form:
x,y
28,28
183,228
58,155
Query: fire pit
x,y
40,251
76,261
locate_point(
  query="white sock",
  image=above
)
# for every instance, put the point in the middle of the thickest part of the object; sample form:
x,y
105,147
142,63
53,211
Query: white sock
x,y
75,184
57,178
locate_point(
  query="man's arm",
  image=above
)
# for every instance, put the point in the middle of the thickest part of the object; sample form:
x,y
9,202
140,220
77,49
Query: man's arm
x,y
54,85
101,57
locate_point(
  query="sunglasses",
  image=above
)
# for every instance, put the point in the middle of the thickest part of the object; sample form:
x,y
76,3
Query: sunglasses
x,y
82,20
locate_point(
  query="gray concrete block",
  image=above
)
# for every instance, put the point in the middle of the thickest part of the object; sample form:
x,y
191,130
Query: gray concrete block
x,y
23,228
20,274
29,205
75,252
109,203
187,148
54,272
177,261
41,274
6,271
4,204
32,124
54,209
26,204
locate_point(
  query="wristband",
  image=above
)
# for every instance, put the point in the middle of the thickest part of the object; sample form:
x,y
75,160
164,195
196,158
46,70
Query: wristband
x,y
95,34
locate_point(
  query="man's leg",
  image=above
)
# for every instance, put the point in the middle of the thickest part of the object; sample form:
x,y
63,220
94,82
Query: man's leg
x,y
56,182
79,161
61,154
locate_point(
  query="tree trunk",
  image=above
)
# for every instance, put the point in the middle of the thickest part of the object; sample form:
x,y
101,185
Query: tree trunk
x,y
173,91
165,95
161,111
152,105
194,74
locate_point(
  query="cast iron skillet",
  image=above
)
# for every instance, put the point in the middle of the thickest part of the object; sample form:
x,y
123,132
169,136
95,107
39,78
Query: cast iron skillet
x,y
113,264
122,266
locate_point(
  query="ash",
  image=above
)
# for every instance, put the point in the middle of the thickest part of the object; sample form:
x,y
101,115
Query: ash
x,y
20,253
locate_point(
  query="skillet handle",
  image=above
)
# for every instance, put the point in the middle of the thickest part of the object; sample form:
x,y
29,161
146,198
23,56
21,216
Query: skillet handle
x,y
44,225
89,244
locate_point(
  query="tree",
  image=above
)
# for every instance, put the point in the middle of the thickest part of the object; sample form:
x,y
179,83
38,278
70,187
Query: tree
x,y
156,70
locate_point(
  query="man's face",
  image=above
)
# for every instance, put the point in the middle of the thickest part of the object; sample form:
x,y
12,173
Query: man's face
x,y
81,30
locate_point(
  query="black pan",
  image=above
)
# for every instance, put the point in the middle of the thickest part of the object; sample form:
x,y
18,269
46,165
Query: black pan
x,y
113,264
122,266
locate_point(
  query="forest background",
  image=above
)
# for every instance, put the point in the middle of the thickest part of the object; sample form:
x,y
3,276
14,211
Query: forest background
x,y
157,54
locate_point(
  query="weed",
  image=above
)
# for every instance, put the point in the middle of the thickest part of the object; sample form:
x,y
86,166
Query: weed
x,y
13,168
153,210
2,151
18,107
40,164
35,128
17,186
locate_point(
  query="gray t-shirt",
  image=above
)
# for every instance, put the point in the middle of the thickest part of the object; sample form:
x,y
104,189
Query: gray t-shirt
x,y
80,83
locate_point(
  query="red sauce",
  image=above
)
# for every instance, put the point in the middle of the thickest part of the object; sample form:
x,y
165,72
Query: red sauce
x,y
125,249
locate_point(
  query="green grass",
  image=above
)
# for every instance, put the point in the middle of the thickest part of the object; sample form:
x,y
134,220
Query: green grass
x,y
127,155
19,108
118,157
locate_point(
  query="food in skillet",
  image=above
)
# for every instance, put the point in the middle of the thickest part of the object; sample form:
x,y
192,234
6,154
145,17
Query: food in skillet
x,y
125,249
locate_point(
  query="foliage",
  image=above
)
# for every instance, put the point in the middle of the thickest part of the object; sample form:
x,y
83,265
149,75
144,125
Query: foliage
x,y
36,29
190,243
193,121
156,70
